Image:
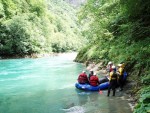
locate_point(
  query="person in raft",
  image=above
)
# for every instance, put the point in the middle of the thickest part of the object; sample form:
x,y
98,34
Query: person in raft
x,y
94,81
120,72
82,78
112,81
91,74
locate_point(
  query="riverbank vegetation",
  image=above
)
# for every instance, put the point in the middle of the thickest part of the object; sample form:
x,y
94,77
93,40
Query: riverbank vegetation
x,y
37,26
119,31
116,30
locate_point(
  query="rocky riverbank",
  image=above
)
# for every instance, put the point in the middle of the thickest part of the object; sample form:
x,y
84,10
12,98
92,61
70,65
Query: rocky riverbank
x,y
126,94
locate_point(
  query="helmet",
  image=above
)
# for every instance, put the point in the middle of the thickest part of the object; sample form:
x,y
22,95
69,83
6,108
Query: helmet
x,y
119,65
94,73
91,70
83,72
123,65
113,67
110,63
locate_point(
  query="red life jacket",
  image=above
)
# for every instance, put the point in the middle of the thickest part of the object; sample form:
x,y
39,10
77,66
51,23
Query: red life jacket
x,y
82,79
110,70
94,81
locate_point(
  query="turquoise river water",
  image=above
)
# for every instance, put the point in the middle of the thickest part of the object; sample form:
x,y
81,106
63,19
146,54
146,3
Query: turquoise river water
x,y
46,85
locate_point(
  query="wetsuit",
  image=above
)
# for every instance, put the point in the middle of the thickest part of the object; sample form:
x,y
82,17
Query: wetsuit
x,y
120,78
112,82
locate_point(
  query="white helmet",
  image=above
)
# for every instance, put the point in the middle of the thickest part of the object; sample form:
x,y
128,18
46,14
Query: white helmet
x,y
119,65
91,70
83,72
109,63
94,73
113,67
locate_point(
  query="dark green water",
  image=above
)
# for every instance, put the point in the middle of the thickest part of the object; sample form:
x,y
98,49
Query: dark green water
x,y
46,85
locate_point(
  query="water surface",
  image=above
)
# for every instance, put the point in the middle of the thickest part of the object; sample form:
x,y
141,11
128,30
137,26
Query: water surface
x,y
46,85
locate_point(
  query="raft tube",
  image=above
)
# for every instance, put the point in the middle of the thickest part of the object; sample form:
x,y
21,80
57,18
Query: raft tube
x,y
125,74
104,79
102,86
88,87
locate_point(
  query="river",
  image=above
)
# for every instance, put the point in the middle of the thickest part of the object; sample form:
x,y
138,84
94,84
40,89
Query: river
x,y
46,85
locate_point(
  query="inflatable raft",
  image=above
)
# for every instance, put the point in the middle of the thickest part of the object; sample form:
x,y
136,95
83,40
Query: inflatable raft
x,y
88,87
125,74
102,86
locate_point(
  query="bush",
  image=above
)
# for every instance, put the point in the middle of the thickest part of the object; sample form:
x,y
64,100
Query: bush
x,y
143,106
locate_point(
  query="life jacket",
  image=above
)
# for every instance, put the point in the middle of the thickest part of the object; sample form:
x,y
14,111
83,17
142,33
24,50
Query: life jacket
x,y
94,80
113,75
82,79
109,68
121,71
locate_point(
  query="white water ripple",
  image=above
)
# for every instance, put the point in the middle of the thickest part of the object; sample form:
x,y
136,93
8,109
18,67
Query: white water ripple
x,y
19,78
75,109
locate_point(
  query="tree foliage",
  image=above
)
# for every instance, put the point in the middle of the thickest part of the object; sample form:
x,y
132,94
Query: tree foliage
x,y
35,26
115,32
119,31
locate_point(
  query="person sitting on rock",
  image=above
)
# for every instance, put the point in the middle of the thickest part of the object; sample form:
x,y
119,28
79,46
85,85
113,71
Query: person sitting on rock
x,y
82,78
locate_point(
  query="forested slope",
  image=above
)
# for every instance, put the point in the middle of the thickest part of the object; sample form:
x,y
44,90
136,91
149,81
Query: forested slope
x,y
37,26
76,3
119,31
